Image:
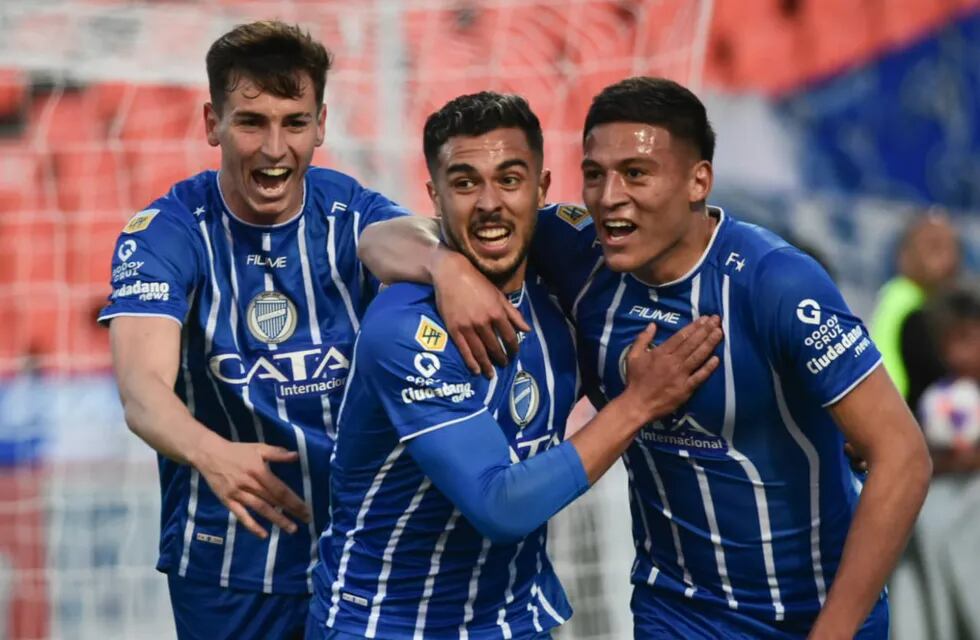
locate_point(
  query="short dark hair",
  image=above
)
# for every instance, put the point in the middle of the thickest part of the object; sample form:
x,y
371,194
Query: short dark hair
x,y
658,102
476,114
269,53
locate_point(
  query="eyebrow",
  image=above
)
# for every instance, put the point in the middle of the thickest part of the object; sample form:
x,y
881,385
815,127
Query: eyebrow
x,y
465,167
255,114
588,162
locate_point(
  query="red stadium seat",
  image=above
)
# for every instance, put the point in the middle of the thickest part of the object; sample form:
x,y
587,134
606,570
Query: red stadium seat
x,y
91,180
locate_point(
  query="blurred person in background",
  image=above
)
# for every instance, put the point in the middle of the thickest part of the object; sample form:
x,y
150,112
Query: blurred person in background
x,y
944,547
928,258
235,302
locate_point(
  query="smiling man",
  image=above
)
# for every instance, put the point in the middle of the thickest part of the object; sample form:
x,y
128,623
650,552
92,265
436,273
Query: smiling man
x,y
443,479
747,520
235,302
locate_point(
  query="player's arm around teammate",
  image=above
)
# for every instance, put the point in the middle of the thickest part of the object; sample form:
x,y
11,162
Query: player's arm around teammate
x,y
480,320
145,354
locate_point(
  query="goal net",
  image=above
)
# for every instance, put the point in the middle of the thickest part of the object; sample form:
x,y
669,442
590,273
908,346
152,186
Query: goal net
x,y
100,112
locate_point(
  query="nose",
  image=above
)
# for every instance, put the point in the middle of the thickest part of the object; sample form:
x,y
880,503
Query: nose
x,y
613,191
488,199
274,144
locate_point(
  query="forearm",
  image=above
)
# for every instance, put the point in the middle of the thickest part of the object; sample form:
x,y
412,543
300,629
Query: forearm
x,y
889,503
504,501
155,414
608,434
401,250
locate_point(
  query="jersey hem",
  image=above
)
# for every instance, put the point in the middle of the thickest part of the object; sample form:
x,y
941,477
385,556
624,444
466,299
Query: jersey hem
x,y
860,379
240,584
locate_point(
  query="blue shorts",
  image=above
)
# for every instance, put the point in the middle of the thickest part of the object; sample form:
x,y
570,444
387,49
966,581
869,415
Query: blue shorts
x,y
208,612
656,616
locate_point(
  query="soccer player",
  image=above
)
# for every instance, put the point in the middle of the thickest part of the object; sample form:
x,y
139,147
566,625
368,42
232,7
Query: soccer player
x,y
748,522
235,302
443,479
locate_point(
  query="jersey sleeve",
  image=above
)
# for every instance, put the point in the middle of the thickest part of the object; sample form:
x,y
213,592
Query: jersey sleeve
x,y
155,264
373,207
810,332
416,372
565,250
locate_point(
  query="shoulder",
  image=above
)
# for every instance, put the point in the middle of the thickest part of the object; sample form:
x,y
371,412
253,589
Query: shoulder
x,y
565,219
338,194
405,312
754,256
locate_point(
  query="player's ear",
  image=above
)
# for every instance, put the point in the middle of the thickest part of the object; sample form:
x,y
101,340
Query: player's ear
x,y
543,187
211,120
321,124
702,178
434,196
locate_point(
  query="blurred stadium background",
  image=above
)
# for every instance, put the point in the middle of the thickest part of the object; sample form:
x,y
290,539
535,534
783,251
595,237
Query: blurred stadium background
x,y
838,120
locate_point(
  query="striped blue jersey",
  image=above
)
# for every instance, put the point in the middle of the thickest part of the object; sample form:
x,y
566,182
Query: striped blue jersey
x,y
742,498
401,560
268,316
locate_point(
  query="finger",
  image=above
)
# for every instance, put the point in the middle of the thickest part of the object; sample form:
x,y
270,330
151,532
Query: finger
x,y
703,328
505,328
479,351
643,341
241,513
516,319
492,345
282,496
459,339
702,350
676,341
278,454
267,511
698,377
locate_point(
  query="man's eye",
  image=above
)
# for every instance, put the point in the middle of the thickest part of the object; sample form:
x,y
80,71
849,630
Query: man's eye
x,y
463,183
591,175
634,173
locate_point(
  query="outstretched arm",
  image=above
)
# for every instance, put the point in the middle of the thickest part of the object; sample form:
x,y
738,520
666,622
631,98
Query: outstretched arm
x,y
145,355
469,461
877,422
480,320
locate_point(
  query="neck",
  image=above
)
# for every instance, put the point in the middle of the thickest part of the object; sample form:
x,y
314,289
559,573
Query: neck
x,y
681,257
514,281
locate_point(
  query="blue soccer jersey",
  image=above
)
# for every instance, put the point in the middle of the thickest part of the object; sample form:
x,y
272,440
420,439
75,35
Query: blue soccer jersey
x,y
268,317
742,498
403,560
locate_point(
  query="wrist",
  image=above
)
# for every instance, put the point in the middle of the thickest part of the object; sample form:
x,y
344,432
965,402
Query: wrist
x,y
635,411
201,447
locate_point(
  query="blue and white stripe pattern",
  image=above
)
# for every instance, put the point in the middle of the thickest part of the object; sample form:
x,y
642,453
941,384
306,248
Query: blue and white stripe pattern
x,y
742,498
402,561
268,317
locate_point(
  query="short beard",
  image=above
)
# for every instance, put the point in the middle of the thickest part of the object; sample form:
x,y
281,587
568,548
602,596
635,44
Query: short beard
x,y
498,277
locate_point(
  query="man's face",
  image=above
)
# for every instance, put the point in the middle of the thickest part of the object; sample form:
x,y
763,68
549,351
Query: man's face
x,y
639,183
487,190
266,143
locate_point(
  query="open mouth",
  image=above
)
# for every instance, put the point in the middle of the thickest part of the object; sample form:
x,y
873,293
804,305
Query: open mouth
x,y
492,238
271,181
618,228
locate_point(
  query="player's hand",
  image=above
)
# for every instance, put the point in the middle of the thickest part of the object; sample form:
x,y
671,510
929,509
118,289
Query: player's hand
x,y
239,474
662,378
481,321
858,464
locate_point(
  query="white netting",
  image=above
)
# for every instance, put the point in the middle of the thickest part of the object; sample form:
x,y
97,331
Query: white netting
x,y
100,111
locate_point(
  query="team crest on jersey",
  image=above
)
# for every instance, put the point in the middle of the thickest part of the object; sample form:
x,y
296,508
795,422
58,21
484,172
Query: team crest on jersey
x,y
578,217
140,221
525,398
271,317
430,335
